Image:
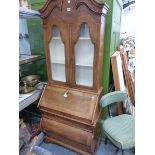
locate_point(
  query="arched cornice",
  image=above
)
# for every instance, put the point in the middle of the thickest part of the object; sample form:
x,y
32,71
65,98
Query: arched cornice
x,y
49,6
92,5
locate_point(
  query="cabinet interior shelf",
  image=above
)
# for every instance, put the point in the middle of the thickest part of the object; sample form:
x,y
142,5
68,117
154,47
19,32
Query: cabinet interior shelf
x,y
84,65
58,62
23,58
28,13
84,38
80,38
79,65
56,38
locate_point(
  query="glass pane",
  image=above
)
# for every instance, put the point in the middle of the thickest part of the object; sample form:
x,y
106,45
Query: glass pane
x,y
84,31
84,75
57,56
58,72
84,58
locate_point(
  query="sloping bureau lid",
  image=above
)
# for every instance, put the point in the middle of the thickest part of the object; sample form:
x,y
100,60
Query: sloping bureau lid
x,y
77,103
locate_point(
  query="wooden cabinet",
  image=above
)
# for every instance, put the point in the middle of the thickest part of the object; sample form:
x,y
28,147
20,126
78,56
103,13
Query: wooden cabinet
x,y
73,38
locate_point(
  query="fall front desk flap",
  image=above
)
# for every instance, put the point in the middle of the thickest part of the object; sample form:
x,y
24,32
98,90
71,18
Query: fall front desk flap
x,y
69,102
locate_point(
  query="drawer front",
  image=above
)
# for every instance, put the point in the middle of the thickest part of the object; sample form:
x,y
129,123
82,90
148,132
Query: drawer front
x,y
66,131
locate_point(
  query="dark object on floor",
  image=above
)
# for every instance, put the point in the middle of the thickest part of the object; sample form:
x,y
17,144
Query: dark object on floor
x,y
24,133
120,130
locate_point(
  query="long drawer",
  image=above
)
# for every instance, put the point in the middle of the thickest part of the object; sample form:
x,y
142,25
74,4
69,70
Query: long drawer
x,y
66,131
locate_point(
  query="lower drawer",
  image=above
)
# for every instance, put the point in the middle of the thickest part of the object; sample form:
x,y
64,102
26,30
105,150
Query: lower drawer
x,y
66,131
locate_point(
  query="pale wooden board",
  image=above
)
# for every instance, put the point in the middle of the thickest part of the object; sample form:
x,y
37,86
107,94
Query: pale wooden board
x,y
117,71
118,77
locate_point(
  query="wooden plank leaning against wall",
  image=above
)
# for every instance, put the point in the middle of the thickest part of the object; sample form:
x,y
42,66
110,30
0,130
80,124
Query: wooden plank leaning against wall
x,y
122,77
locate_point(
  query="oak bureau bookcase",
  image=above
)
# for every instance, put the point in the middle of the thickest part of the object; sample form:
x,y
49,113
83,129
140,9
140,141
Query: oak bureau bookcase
x,y
73,38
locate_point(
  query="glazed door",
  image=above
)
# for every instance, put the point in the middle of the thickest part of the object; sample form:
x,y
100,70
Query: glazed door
x,y
57,54
84,57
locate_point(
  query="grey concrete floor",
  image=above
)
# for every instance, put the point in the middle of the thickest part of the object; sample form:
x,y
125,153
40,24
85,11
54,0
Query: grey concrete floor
x,y
104,149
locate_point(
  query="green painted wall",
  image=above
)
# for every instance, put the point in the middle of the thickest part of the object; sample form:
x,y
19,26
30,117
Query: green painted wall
x,y
111,41
37,4
37,46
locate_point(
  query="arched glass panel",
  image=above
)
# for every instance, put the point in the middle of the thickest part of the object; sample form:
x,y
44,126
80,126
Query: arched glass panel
x,y
84,58
57,56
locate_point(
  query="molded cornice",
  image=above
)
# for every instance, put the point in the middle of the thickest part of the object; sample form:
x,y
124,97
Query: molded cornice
x,y
92,5
97,8
49,6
